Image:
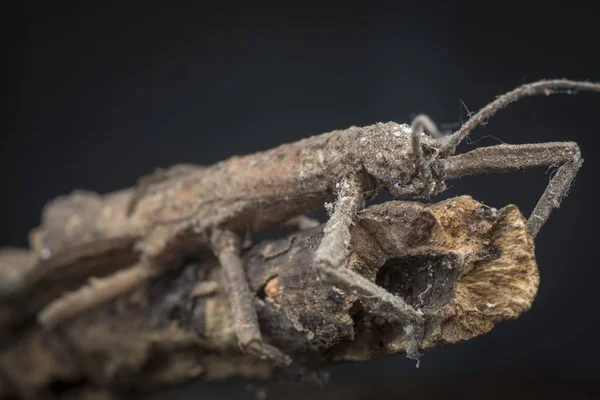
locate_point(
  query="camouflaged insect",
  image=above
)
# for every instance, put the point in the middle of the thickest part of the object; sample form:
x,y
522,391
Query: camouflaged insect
x,y
183,211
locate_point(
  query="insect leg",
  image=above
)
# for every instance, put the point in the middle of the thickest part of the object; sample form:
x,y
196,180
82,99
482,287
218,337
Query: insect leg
x,y
332,251
509,158
333,248
226,246
381,302
97,292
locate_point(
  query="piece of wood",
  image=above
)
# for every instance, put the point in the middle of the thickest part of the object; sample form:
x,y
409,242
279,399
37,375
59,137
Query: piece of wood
x,y
463,265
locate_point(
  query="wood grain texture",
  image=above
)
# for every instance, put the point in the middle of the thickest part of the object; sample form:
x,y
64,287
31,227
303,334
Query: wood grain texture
x,y
464,266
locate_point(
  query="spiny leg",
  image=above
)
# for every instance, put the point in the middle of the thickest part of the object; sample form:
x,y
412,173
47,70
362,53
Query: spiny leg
x,y
226,246
509,158
96,293
545,87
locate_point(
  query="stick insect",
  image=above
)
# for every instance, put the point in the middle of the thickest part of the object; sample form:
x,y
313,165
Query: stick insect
x,y
173,213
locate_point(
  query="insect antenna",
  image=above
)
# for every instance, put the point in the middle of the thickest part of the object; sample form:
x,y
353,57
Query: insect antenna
x,y
545,87
421,123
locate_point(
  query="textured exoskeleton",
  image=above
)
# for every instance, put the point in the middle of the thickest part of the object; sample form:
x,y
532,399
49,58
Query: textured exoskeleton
x,y
180,212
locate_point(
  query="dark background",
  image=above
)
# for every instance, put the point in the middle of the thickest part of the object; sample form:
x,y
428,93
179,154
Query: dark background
x,y
97,96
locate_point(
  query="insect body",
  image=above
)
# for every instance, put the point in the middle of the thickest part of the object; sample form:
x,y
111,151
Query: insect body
x,y
179,212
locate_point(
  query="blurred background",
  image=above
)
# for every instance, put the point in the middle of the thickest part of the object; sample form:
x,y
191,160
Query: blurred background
x,y
96,96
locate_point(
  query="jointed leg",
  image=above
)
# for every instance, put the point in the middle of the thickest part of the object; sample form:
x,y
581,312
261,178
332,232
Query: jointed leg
x,y
508,158
334,246
332,251
98,292
381,302
226,246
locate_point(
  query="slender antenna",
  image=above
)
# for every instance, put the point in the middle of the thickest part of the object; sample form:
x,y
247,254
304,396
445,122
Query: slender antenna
x,y
546,87
420,124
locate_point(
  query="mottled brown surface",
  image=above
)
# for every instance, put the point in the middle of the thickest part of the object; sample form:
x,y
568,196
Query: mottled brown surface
x,y
169,215
463,265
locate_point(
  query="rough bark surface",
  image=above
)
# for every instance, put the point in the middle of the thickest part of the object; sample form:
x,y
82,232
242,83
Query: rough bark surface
x,y
463,265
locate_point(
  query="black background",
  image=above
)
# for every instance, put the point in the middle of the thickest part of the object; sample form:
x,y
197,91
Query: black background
x,y
98,95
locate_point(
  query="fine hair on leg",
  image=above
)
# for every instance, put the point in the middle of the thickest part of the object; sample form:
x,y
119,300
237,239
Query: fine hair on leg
x,y
511,158
543,87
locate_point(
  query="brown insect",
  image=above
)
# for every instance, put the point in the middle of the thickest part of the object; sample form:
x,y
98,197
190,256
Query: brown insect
x,y
177,213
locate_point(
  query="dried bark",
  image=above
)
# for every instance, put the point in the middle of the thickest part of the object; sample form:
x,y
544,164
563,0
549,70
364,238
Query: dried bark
x,y
168,217
464,265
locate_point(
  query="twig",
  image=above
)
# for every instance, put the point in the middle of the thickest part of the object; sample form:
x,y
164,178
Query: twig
x,y
179,328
